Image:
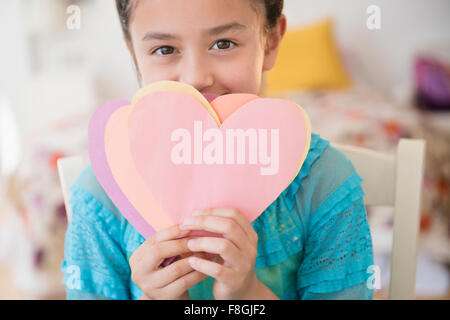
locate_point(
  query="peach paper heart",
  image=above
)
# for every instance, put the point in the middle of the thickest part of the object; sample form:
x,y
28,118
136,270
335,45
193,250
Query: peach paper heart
x,y
153,192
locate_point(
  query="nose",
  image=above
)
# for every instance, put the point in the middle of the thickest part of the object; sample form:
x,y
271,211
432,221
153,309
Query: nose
x,y
195,71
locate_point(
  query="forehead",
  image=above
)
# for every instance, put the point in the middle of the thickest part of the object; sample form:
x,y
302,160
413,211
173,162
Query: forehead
x,y
194,17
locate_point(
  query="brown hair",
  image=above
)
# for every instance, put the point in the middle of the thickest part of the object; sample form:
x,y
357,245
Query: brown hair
x,y
273,11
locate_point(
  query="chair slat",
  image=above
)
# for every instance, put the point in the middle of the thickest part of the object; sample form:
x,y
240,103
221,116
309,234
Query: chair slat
x,y
410,166
377,171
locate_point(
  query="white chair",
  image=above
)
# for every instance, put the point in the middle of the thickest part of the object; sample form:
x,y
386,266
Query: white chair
x,y
393,180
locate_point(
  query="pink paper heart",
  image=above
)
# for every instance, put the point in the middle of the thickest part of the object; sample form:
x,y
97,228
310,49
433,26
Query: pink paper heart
x,y
131,191
173,191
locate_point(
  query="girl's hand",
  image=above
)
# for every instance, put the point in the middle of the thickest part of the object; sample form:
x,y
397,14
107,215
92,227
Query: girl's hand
x,y
235,271
171,282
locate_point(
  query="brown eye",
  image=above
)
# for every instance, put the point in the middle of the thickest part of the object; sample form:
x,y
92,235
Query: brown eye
x,y
224,44
164,50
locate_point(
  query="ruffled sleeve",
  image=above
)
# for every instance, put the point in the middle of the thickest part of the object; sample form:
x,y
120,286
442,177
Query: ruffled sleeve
x,y
338,246
95,265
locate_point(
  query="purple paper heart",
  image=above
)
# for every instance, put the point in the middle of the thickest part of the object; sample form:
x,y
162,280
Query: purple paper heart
x,y
97,154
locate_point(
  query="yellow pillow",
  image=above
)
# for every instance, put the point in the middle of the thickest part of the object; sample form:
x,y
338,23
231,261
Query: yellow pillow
x,y
307,59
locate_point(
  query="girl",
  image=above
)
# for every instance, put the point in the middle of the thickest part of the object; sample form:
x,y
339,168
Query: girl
x,y
312,242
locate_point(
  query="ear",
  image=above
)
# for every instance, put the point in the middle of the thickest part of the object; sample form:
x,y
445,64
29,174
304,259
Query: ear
x,y
273,43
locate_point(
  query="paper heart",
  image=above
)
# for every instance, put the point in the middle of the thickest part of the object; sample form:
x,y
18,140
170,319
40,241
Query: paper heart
x,y
143,185
102,170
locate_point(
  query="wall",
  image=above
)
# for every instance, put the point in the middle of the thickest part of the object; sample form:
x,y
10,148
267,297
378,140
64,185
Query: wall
x,y
386,54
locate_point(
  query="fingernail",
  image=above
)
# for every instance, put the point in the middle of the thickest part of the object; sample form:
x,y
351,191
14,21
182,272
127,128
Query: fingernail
x,y
191,244
188,221
192,261
198,213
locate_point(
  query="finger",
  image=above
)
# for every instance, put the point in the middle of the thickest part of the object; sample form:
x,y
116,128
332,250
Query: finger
x,y
165,276
234,214
223,247
205,255
225,226
171,233
179,286
212,269
159,251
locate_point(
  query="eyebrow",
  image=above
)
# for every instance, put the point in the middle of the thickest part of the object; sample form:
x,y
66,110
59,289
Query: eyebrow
x,y
232,26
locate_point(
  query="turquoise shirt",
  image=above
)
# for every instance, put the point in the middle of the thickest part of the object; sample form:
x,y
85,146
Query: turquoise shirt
x,y
314,240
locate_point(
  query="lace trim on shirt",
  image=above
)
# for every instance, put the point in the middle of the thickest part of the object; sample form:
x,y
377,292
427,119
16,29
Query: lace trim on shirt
x,y
339,239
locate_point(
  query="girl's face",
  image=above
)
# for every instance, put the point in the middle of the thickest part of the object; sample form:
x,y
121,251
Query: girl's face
x,y
216,46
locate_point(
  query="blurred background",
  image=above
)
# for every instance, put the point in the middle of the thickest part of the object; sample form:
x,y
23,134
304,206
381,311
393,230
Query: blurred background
x,y
367,72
